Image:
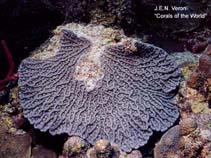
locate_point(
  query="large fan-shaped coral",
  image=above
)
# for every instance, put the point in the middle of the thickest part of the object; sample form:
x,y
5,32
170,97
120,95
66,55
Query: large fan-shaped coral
x,y
96,83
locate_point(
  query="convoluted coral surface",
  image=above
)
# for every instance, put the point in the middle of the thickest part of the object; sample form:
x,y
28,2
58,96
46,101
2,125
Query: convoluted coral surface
x,y
96,83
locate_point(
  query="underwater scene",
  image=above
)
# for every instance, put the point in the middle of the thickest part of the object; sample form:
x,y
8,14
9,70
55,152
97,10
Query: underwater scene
x,y
105,79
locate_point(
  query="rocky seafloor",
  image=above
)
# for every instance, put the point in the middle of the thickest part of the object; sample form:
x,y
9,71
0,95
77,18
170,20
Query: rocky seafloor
x,y
189,137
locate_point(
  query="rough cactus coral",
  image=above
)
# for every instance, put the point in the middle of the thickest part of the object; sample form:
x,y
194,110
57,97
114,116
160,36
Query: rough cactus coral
x,y
96,83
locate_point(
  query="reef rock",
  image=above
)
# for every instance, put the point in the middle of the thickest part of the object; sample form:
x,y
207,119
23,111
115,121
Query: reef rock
x,y
96,83
42,152
104,149
13,145
169,144
187,126
75,147
190,139
135,154
205,65
203,71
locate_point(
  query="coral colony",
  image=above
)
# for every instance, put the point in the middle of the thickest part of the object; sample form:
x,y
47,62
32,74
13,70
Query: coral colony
x,y
96,83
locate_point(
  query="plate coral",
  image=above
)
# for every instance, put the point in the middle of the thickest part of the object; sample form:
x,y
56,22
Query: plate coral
x,y
96,83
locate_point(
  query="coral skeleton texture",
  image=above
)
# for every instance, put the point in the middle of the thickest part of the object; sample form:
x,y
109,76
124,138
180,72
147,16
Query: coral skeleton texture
x,y
97,83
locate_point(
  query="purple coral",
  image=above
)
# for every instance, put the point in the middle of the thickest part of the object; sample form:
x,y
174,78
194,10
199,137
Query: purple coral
x,y
134,97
